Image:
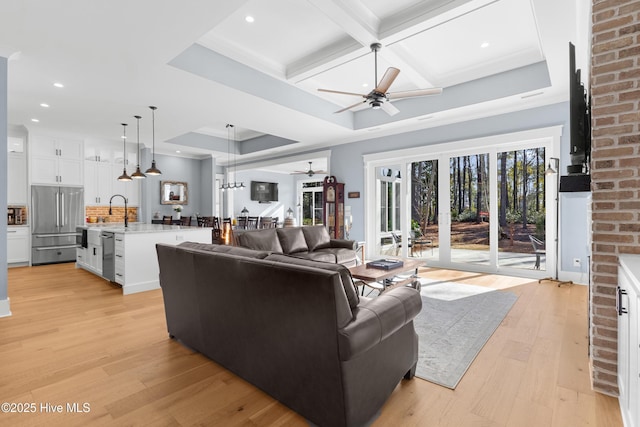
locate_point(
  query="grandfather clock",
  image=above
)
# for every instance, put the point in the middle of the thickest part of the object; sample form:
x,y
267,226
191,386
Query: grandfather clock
x,y
333,196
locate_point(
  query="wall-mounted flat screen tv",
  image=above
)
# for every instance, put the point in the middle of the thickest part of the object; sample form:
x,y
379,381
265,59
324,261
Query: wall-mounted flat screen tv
x,y
264,191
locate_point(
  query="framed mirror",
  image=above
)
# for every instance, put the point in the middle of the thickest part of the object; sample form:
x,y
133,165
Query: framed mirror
x,y
173,193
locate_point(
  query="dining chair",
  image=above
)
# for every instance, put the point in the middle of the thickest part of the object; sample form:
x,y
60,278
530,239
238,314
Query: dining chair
x,y
252,223
266,222
166,219
185,220
242,222
216,234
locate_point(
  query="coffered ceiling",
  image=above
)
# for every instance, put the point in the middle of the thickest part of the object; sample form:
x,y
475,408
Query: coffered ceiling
x,y
204,66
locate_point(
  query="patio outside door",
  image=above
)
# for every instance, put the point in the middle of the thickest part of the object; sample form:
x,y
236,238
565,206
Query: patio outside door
x,y
477,205
470,184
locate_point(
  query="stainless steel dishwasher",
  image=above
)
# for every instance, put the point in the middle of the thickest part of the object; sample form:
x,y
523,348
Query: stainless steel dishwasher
x,y
108,255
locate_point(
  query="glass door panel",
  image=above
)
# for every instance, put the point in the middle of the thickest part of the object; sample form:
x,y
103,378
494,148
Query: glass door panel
x,y
469,209
312,203
521,209
424,233
388,204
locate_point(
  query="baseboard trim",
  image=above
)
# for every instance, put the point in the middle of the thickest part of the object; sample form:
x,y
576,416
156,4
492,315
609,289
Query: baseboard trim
x,y
576,277
5,310
140,287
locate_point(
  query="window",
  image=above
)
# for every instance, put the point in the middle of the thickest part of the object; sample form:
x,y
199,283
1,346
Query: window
x,y
312,200
389,206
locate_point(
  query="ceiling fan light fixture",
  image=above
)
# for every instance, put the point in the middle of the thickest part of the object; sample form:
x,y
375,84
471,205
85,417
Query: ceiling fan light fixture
x,y
378,97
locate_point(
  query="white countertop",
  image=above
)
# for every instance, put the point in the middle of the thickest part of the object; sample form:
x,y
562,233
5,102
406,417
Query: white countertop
x,y
141,228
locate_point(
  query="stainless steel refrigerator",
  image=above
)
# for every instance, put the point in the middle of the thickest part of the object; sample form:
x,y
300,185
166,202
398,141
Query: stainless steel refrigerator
x,y
55,213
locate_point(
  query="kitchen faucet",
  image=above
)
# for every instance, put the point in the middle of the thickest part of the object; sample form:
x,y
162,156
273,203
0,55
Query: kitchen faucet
x,y
126,216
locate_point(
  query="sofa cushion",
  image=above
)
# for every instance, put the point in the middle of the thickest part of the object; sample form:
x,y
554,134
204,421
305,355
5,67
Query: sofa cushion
x,y
262,240
316,256
232,250
316,237
350,288
343,256
292,240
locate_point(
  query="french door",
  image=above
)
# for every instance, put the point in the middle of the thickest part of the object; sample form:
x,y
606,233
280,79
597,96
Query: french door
x,y
479,209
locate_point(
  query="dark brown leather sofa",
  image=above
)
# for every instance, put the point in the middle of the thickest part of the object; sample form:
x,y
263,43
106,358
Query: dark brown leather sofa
x,y
294,328
309,242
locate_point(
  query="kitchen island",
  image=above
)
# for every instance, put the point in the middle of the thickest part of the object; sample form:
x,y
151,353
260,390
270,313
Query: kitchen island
x,y
133,255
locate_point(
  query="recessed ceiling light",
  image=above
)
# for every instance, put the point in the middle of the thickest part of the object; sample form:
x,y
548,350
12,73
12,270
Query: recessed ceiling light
x,y
484,44
178,151
365,84
249,19
43,105
56,84
35,120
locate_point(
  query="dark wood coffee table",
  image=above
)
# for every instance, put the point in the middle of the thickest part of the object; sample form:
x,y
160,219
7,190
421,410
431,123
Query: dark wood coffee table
x,y
380,279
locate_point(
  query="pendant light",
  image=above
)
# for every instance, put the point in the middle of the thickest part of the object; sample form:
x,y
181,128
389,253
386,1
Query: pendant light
x,y
138,173
230,166
225,185
124,176
236,185
153,170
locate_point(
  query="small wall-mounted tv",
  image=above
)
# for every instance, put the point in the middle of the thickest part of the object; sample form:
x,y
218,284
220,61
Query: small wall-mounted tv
x,y
264,192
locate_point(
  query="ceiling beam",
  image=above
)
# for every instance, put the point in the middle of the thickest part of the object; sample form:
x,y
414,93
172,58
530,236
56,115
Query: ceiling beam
x,y
361,29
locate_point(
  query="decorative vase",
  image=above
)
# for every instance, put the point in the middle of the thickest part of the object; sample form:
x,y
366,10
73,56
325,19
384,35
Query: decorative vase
x,y
177,216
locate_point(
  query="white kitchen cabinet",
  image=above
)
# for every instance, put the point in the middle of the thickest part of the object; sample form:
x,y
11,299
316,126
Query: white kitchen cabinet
x,y
17,245
93,255
97,182
81,258
129,189
99,152
103,164
628,341
56,161
16,178
119,258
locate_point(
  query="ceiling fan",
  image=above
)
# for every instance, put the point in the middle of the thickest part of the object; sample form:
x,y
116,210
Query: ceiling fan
x,y
310,172
379,97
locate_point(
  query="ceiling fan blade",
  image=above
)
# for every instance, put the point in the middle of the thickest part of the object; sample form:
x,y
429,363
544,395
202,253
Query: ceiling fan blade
x,y
350,106
386,81
339,92
412,93
389,108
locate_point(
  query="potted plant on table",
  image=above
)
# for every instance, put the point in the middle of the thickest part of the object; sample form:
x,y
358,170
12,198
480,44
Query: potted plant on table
x,y
177,209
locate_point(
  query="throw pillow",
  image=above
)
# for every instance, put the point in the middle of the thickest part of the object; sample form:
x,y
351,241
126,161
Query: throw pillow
x,y
262,240
292,240
317,237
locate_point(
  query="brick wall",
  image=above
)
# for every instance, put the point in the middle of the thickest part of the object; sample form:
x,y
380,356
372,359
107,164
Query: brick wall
x,y
117,213
615,169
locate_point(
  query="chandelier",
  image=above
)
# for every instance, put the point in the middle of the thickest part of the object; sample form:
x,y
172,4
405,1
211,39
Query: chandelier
x,y
228,185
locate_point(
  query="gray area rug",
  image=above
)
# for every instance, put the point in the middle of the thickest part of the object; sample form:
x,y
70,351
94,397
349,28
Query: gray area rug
x,y
455,323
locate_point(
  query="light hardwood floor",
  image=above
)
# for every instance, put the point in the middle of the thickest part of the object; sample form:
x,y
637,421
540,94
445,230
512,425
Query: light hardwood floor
x,y
74,338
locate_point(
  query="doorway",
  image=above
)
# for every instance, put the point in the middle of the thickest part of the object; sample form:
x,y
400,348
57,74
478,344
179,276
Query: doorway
x,y
477,205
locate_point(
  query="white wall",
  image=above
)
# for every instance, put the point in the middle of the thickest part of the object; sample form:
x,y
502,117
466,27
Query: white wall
x,y
286,194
